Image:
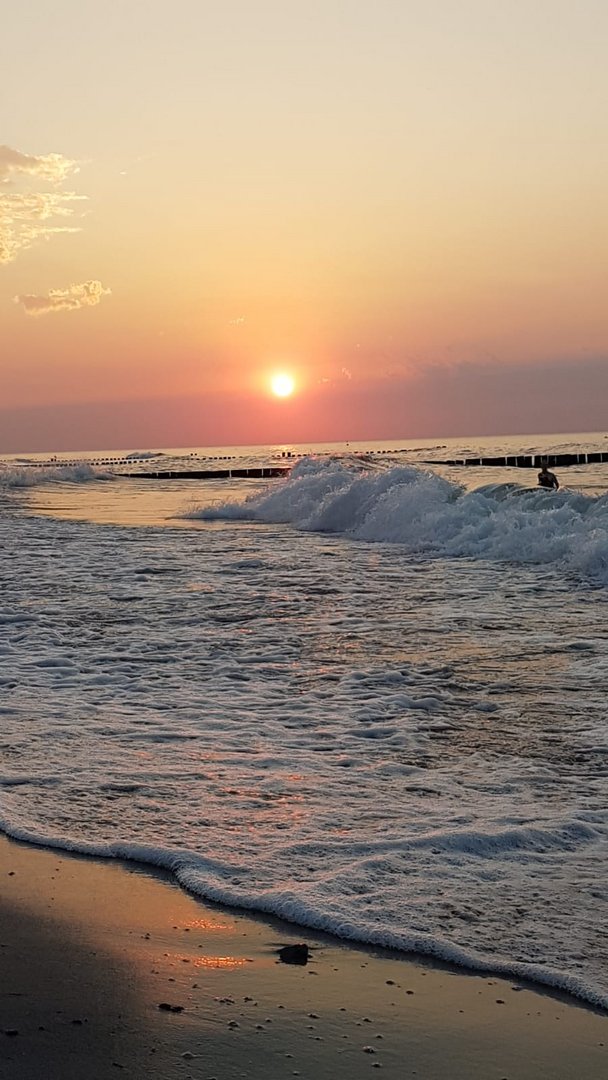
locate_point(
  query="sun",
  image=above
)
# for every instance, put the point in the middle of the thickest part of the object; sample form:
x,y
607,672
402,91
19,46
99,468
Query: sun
x,y
282,385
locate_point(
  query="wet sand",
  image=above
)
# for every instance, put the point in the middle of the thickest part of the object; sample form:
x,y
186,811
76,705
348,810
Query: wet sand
x,y
89,950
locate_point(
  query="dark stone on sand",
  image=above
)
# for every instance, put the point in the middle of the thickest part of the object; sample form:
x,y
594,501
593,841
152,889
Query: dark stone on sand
x,y
11,1032
164,1006
294,954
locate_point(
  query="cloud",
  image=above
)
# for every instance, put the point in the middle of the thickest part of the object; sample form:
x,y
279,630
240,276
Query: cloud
x,y
28,214
88,294
51,167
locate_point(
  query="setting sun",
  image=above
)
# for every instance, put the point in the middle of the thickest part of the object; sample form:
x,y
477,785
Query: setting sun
x,y
282,385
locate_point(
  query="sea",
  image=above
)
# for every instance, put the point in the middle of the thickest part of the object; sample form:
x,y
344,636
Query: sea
x,y
367,696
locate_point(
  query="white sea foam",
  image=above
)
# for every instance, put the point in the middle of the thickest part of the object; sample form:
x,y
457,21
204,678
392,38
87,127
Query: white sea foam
x,y
30,476
402,741
425,513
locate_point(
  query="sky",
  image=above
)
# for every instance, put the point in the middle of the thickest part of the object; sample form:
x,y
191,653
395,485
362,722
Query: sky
x,y
400,204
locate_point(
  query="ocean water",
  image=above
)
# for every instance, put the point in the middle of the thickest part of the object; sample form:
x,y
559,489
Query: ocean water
x,y
368,697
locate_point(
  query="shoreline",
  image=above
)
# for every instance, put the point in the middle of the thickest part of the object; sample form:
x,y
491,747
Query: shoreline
x,y
443,953
91,948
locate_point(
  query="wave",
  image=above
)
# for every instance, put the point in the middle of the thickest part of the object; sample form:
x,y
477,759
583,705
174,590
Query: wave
x,y
143,455
428,514
11,477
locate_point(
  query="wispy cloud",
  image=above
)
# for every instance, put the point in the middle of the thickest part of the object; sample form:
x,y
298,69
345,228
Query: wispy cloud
x,y
28,213
29,216
88,294
53,167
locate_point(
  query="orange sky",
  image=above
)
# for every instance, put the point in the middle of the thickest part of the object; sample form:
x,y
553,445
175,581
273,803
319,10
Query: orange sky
x,y
401,203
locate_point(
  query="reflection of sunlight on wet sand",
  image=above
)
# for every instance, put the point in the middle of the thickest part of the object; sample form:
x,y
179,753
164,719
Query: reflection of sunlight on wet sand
x,y
207,960
226,963
208,924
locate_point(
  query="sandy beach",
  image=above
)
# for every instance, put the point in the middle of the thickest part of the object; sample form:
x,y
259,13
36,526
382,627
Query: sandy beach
x,y
111,969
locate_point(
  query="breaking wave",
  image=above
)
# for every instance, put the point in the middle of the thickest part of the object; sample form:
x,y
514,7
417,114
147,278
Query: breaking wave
x,y
28,476
428,514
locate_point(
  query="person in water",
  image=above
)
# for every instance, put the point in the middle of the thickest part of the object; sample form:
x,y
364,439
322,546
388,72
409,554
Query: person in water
x,y
547,479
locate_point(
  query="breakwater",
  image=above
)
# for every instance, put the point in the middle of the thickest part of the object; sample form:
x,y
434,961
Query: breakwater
x,y
256,472
528,461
